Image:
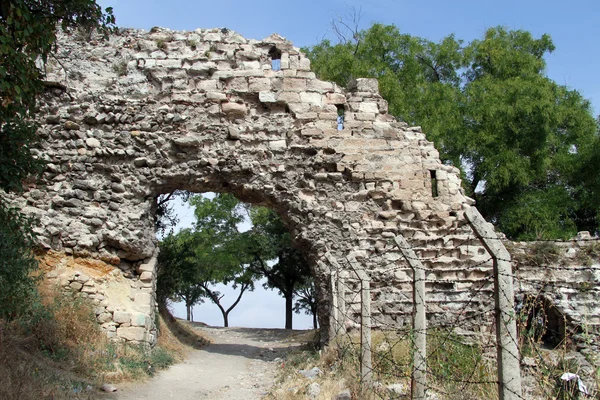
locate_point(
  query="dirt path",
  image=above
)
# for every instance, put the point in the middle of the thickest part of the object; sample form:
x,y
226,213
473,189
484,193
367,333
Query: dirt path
x,y
241,363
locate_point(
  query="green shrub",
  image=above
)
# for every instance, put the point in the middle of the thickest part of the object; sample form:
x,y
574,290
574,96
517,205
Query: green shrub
x,y
17,264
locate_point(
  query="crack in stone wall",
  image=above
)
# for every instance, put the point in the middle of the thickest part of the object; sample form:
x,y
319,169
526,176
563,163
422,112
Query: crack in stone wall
x,y
146,113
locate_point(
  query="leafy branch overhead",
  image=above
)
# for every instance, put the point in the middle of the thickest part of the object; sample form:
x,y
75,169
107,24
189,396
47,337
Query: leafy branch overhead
x,y
526,145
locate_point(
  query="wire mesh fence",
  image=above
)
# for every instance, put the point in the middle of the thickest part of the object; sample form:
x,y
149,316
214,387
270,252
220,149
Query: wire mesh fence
x,y
477,338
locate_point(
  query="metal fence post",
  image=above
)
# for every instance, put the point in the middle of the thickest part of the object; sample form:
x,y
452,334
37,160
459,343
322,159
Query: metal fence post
x,y
341,301
366,364
419,375
334,314
340,289
509,372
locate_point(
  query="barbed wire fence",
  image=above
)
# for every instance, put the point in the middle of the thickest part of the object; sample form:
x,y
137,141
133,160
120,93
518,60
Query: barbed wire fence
x,y
446,357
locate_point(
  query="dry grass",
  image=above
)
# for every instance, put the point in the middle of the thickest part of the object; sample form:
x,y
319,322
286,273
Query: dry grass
x,y
180,333
453,366
59,352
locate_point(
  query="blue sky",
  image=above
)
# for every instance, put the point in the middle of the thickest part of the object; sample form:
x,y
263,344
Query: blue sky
x,y
574,25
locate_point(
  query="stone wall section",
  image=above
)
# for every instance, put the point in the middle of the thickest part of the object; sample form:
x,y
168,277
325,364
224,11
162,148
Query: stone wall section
x,y
566,275
146,113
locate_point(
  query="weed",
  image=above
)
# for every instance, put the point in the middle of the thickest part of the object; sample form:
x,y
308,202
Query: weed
x,y
543,253
192,43
162,45
59,351
455,368
587,254
120,68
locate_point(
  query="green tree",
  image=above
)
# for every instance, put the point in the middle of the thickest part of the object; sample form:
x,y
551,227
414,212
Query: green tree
x,y
521,139
178,271
269,240
27,34
192,261
306,300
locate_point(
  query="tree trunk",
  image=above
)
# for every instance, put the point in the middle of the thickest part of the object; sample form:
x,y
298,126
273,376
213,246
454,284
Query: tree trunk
x,y
289,310
226,319
315,325
189,311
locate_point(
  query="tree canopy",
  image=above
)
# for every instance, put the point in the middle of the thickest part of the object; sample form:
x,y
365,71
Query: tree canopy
x,y
269,239
216,251
193,260
522,141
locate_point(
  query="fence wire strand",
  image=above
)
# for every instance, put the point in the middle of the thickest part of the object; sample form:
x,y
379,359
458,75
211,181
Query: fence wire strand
x,y
461,361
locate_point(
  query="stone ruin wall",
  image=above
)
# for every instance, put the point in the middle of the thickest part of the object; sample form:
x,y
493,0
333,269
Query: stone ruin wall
x,y
146,113
564,276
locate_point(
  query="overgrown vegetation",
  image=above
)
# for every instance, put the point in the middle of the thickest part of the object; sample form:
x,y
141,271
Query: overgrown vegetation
x,y
59,352
542,253
28,34
120,68
457,370
549,354
587,254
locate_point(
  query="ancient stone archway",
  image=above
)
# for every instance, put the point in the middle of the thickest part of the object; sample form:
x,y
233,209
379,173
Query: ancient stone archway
x,y
146,113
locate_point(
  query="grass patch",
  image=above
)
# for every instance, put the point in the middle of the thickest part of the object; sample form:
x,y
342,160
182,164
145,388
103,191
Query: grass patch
x,y
456,370
58,351
543,253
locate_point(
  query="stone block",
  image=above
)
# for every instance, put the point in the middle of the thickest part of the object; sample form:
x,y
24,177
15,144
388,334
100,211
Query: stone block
x,y
259,84
237,84
335,98
294,84
368,107
249,65
369,85
150,266
267,97
311,98
289,97
216,96
132,333
304,64
89,289
234,109
365,116
122,317
104,317
207,85
143,299
146,276
298,108
319,86
139,319
277,144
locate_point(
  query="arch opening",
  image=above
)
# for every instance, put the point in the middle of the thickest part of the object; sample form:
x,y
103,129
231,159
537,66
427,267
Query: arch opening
x,y
251,276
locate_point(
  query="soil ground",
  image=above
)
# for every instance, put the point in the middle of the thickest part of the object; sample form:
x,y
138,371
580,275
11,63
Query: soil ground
x,y
240,363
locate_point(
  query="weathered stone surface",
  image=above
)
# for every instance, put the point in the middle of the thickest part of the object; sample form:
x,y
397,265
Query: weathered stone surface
x,y
135,333
234,109
121,317
231,123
